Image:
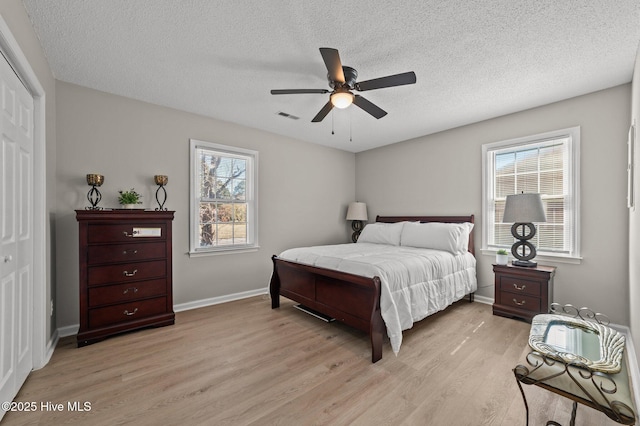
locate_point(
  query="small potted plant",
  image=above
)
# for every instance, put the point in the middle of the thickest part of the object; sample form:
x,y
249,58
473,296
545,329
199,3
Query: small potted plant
x,y
502,257
129,199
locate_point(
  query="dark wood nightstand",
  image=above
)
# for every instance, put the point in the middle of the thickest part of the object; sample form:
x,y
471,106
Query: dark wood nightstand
x,y
522,292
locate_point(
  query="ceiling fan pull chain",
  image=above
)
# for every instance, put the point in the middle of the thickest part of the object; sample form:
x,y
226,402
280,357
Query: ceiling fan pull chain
x,y
332,123
350,119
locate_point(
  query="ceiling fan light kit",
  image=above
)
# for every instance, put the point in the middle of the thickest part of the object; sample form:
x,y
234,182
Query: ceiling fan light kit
x,y
342,80
342,99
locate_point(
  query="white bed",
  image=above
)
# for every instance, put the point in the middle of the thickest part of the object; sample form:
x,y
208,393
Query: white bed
x,y
415,281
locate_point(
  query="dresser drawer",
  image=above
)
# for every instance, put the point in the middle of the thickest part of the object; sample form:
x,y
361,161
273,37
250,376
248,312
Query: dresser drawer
x,y
126,272
520,301
126,252
107,295
127,312
519,285
126,232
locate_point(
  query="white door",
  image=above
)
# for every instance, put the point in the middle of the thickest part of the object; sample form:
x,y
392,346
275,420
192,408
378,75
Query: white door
x,y
16,232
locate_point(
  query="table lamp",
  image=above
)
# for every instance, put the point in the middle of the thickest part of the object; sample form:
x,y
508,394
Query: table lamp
x,y
357,212
94,196
524,209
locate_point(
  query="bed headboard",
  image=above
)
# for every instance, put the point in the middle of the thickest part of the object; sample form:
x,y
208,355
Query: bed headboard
x,y
445,219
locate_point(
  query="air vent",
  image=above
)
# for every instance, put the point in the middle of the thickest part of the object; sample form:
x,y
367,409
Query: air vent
x,y
284,114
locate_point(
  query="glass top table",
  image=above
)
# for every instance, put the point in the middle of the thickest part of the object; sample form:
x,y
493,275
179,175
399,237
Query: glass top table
x,y
577,355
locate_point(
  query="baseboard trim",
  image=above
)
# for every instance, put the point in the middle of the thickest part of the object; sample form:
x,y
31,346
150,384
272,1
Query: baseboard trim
x,y
50,346
217,300
632,364
483,299
70,330
634,369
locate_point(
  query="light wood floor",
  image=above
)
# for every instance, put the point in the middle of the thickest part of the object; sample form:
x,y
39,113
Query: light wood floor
x,y
242,363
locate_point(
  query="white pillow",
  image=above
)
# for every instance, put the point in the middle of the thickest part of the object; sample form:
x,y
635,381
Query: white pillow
x,y
382,233
451,237
463,242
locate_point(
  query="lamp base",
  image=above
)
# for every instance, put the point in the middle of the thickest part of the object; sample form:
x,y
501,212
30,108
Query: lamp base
x,y
356,225
524,263
528,251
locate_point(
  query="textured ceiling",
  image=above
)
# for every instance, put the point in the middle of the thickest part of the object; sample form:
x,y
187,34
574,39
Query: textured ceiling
x,y
473,60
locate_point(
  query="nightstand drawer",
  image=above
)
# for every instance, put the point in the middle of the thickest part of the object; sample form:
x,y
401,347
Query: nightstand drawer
x,y
521,301
520,286
522,292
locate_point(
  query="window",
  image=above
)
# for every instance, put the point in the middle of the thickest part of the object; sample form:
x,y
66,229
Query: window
x,y
546,164
223,198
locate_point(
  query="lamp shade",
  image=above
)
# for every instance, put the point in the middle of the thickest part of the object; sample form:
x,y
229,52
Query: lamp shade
x,y
357,211
524,208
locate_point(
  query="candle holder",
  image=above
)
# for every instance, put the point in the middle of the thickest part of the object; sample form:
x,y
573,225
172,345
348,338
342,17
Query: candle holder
x,y
94,196
161,181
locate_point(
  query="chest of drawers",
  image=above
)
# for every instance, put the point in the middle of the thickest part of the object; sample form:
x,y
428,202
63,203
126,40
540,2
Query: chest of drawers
x,y
125,272
522,292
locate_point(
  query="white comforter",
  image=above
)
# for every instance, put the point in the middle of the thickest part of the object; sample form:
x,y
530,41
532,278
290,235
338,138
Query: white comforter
x,y
416,282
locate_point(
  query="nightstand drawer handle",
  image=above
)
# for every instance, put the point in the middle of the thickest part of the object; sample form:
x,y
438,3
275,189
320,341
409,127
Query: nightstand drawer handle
x,y
519,288
129,274
519,303
127,313
126,234
134,289
136,252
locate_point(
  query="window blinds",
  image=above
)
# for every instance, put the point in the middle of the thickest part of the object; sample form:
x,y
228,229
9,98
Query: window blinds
x,y
539,167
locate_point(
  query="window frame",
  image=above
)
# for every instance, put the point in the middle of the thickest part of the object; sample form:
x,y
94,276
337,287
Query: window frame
x,y
194,198
572,211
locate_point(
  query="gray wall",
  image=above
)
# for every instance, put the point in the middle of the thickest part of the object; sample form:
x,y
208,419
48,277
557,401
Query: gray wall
x,y
634,220
304,189
441,174
15,16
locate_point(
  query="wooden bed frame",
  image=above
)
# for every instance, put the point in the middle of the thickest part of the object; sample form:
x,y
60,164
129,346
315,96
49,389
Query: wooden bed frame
x,y
351,299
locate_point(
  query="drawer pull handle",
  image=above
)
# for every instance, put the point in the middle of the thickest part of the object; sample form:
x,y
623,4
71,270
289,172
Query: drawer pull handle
x,y
519,303
519,288
134,289
127,313
126,234
136,252
129,274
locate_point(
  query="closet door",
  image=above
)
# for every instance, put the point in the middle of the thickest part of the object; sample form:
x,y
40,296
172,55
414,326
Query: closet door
x,y
16,232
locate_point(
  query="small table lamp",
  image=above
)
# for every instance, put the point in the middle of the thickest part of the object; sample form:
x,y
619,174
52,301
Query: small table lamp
x,y
357,212
523,210
94,196
161,181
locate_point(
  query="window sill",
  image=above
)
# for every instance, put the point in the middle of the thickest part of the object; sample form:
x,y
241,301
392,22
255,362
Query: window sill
x,y
203,253
542,257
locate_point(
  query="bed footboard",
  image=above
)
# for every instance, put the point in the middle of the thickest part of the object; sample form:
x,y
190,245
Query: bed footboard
x,y
351,299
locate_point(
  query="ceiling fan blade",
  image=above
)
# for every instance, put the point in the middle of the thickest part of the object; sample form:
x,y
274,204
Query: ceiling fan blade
x,y
323,112
298,91
372,109
332,61
388,81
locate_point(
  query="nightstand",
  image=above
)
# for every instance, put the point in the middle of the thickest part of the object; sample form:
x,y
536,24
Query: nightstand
x,y
522,292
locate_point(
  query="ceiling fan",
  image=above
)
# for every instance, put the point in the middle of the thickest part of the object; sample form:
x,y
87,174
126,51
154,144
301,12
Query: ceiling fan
x,y
342,80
